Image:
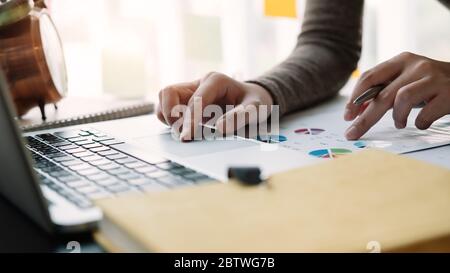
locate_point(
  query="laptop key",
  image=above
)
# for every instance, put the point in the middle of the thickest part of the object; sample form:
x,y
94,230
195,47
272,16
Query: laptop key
x,y
127,160
78,139
116,157
100,149
129,176
158,174
110,152
169,166
77,150
108,167
64,158
71,163
80,167
78,184
56,155
60,174
89,172
85,142
84,133
91,158
92,146
83,154
141,181
147,169
62,144
197,177
102,138
99,177
119,171
100,162
136,165
88,190
69,147
173,181
52,169
182,171
153,187
49,138
120,188
112,142
67,179
108,182
68,134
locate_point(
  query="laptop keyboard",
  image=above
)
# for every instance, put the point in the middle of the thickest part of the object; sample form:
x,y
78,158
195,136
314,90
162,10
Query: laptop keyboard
x,y
87,165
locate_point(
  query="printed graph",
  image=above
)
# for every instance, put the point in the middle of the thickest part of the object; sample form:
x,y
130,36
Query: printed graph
x,y
309,131
272,139
330,153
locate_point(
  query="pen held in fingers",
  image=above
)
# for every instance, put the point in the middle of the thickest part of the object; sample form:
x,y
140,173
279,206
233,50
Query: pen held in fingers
x,y
370,94
373,93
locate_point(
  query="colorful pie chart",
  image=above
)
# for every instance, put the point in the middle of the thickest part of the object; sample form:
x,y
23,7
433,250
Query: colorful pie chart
x,y
372,144
330,153
360,145
272,139
309,131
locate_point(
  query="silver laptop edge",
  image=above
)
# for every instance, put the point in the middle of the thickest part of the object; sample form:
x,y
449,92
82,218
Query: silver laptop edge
x,y
20,186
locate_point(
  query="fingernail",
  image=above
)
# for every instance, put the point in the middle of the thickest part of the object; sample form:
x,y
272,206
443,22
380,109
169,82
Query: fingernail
x,y
352,133
400,125
185,136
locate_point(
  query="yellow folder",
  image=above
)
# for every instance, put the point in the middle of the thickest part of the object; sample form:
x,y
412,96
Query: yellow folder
x,y
369,201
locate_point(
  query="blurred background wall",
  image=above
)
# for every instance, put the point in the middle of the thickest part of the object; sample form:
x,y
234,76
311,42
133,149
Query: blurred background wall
x,y
133,48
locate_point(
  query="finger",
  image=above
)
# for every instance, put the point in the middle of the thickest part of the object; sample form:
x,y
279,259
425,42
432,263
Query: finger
x,y
245,113
434,110
381,74
212,89
377,108
408,97
374,112
363,108
160,115
173,96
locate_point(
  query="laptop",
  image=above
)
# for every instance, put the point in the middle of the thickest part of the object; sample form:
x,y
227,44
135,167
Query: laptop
x,y
54,177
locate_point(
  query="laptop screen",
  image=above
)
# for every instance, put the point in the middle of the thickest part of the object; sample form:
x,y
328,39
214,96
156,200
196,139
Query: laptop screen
x,y
17,181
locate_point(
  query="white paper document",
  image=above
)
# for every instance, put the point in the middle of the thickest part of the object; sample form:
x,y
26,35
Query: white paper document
x,y
303,139
323,136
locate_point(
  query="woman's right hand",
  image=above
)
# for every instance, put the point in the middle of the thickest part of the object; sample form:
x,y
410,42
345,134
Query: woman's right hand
x,y
213,89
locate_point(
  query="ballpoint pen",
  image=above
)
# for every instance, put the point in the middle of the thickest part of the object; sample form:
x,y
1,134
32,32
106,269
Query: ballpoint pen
x,y
373,92
370,94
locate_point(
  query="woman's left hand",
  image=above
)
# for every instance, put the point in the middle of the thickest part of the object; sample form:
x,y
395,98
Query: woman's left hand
x,y
412,80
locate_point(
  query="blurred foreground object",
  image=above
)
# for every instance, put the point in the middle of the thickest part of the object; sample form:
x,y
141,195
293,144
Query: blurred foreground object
x,y
31,55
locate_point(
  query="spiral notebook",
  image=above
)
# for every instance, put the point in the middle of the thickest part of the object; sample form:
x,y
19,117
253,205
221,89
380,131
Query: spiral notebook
x,y
78,110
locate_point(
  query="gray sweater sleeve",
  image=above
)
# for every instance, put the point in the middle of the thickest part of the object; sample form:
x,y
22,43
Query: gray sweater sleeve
x,y
327,52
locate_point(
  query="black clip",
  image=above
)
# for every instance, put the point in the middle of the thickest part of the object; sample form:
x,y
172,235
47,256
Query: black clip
x,y
246,176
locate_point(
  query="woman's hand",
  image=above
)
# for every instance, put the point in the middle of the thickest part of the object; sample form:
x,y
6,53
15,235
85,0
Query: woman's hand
x,y
412,80
213,89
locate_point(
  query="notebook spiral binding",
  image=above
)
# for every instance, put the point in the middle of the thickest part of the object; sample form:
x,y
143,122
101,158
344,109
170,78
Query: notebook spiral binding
x,y
113,114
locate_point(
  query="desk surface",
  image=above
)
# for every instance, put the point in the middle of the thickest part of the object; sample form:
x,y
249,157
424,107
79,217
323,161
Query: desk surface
x,y
18,234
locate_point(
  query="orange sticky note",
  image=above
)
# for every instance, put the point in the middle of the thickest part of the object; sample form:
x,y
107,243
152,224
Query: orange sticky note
x,y
356,74
281,8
